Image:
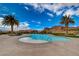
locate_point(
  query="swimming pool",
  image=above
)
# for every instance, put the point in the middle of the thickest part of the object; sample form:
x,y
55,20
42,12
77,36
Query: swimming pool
x,y
43,38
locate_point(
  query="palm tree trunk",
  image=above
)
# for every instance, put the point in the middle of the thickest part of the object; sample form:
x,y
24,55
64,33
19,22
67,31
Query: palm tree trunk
x,y
66,30
11,28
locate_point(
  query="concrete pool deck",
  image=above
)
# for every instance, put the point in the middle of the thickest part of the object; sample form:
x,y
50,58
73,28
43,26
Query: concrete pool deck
x,y
10,46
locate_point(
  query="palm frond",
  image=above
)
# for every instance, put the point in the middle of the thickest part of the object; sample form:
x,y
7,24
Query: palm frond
x,y
72,21
63,19
10,20
66,20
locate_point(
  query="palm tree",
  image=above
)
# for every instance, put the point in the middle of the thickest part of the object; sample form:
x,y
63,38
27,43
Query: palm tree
x,y
10,20
66,20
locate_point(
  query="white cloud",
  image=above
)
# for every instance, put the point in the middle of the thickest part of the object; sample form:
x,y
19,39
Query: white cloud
x,y
77,12
36,22
26,8
1,19
23,23
72,12
54,7
42,6
69,12
39,22
51,15
2,28
13,13
36,6
49,20
4,14
33,21
59,12
22,26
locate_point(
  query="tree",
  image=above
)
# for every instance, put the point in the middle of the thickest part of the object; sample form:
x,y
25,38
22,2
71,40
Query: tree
x,y
66,20
11,21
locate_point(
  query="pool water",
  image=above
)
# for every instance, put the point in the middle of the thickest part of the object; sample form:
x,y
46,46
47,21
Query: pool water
x,y
48,37
43,38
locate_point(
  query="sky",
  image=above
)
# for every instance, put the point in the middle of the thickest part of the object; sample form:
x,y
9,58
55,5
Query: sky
x,y
37,16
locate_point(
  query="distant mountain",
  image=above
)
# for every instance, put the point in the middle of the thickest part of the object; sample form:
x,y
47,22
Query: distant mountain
x,y
60,29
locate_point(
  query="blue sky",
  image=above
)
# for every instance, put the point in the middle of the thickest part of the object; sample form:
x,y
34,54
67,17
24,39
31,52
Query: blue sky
x,y
39,16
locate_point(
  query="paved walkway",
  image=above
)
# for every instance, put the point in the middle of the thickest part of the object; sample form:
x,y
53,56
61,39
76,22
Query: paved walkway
x,y
10,46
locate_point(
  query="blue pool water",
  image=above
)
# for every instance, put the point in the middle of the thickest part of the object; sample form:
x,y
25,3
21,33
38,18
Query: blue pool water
x,y
48,37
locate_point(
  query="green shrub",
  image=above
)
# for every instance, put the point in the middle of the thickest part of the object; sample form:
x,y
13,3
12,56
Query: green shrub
x,y
19,33
59,34
15,34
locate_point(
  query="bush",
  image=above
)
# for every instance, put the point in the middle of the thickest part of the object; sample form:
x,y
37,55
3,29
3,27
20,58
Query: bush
x,y
19,33
71,34
15,34
59,34
4,33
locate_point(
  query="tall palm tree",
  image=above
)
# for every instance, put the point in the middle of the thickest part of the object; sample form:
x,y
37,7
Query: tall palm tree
x,y
66,20
10,20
